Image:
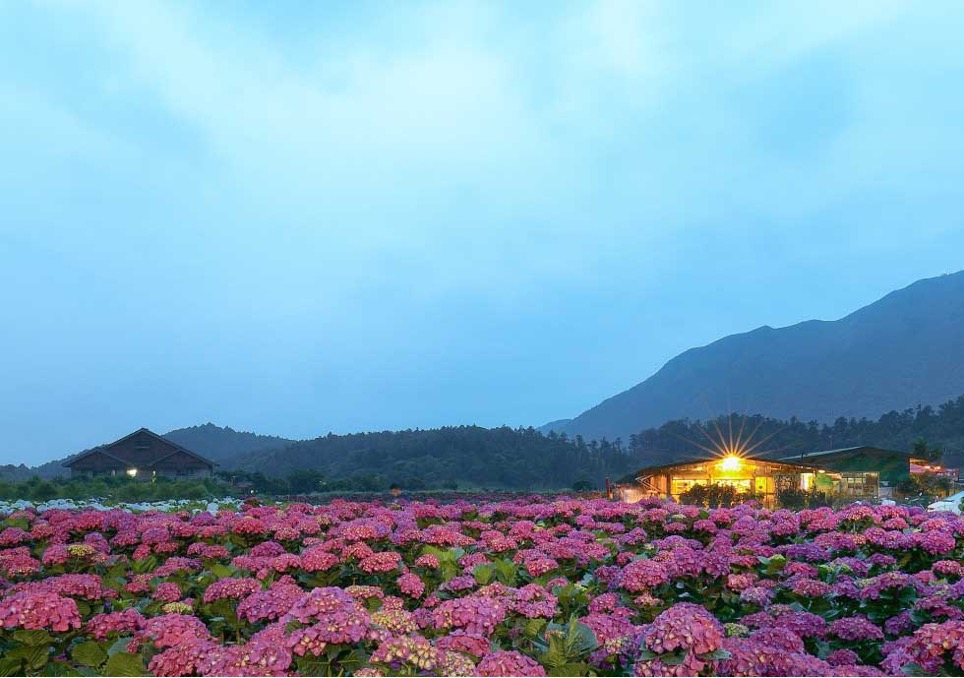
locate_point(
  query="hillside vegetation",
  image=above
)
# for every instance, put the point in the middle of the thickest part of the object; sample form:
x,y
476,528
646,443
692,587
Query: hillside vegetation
x,y
459,456
942,428
525,459
471,456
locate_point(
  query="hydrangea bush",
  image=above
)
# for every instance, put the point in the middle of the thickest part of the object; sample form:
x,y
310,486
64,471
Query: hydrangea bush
x,y
529,587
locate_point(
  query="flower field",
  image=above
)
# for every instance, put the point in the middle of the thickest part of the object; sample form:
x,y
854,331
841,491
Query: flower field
x,y
487,588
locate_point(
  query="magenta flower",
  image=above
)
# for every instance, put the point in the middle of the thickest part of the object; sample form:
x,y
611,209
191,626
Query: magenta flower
x,y
474,614
684,626
270,604
856,628
39,608
643,575
232,588
509,663
411,585
103,626
170,630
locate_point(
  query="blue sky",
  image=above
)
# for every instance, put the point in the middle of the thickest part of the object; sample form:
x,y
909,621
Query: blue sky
x,y
297,218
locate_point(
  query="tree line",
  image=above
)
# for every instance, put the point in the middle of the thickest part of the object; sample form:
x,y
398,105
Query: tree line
x,y
934,433
456,457
476,458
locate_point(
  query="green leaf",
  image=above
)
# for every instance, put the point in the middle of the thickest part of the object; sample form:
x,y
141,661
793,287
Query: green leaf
x,y
555,656
89,654
507,571
776,563
25,637
35,655
120,645
483,574
715,655
125,664
580,639
119,569
145,565
533,627
673,658
10,666
22,523
570,669
309,667
915,669
61,669
221,571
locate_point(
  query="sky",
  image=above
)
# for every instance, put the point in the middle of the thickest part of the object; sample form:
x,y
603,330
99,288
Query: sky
x,y
295,218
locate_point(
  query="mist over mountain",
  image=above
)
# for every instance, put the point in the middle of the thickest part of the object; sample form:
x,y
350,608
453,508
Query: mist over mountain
x,y
900,351
223,444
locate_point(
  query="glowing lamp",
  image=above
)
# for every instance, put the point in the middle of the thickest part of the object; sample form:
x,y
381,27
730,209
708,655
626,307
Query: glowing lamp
x,y
132,472
731,462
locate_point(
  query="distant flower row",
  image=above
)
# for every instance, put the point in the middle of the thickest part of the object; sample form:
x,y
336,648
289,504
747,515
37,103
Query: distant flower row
x,y
103,504
488,588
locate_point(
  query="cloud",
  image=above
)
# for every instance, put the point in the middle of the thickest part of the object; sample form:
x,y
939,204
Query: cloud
x,y
547,200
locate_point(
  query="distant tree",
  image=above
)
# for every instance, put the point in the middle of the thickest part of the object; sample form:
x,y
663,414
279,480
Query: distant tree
x,y
795,499
696,495
921,450
44,490
582,486
305,481
930,484
720,496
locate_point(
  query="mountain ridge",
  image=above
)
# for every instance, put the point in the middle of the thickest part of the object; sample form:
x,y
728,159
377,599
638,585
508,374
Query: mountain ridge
x,y
896,352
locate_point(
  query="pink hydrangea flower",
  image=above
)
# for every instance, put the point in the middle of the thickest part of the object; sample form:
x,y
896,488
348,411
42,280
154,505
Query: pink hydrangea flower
x,y
509,663
39,608
684,626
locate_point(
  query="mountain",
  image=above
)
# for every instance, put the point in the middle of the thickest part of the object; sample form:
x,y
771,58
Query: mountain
x,y
223,444
903,350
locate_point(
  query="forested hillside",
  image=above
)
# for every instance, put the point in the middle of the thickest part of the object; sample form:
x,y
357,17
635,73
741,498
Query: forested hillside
x,y
470,456
464,456
223,443
524,458
941,427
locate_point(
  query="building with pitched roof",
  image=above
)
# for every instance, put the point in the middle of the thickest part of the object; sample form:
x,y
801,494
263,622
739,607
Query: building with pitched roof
x,y
142,455
762,478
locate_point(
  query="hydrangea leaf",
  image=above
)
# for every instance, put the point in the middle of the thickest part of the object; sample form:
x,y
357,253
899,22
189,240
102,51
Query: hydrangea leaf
x,y
89,654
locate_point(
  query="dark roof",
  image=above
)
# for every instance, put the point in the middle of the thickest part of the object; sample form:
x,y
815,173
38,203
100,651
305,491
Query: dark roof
x,y
102,449
841,450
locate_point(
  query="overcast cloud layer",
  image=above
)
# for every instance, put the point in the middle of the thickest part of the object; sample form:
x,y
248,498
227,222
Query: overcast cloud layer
x,y
297,218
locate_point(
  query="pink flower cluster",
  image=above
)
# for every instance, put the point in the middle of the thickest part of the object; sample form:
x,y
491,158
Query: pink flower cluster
x,y
486,587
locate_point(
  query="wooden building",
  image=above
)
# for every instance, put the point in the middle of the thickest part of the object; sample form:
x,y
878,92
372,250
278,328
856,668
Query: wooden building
x,y
848,474
142,455
761,477
863,471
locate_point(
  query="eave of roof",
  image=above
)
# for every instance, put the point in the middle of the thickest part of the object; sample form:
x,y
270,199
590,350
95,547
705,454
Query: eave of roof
x,y
96,450
841,450
178,448
705,460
